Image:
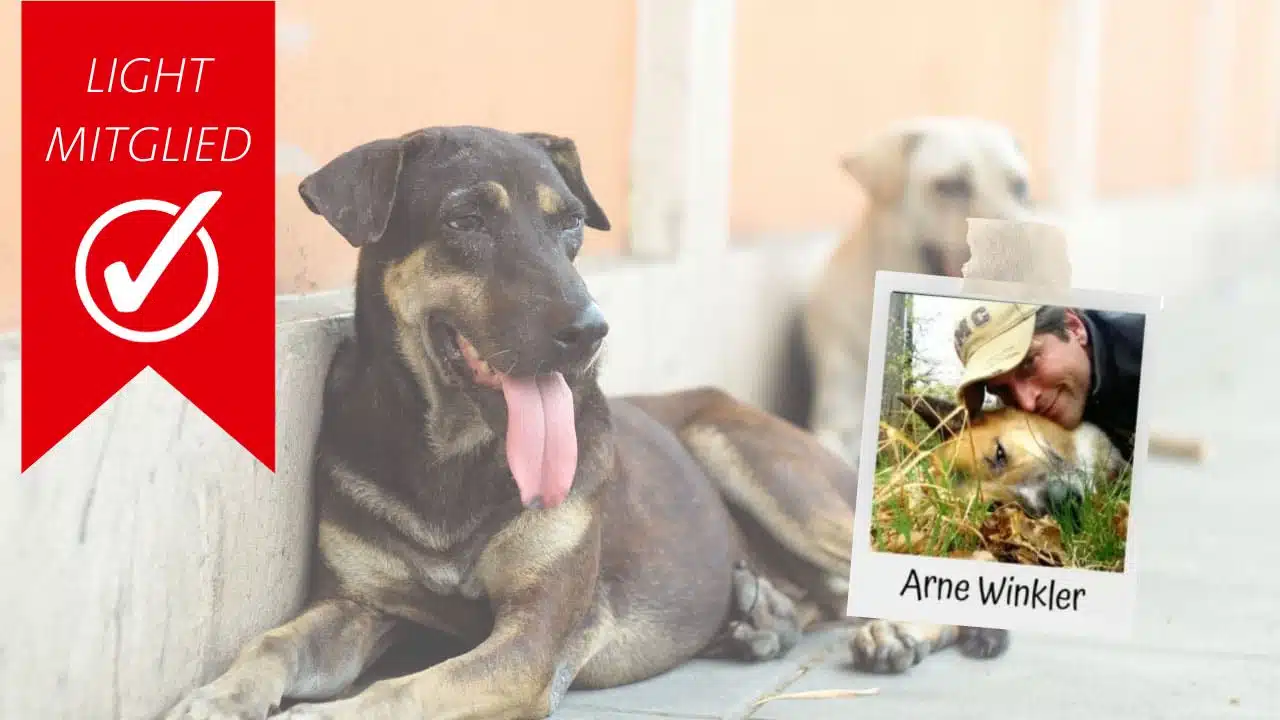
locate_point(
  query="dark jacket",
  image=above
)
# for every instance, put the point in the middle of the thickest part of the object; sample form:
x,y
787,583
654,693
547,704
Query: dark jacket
x,y
1116,341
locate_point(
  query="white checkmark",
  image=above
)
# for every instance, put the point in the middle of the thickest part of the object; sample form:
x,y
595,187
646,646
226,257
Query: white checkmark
x,y
127,294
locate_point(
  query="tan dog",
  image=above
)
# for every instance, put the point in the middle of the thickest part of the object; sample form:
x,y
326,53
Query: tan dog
x,y
922,179
472,478
1018,457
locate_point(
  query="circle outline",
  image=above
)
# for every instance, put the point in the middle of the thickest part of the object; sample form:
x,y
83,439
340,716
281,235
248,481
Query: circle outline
x,y
82,281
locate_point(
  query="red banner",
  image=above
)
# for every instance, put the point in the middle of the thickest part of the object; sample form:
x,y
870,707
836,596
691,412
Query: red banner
x,y
148,213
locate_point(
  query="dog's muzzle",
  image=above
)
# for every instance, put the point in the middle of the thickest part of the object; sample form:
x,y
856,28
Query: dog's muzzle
x,y
1052,494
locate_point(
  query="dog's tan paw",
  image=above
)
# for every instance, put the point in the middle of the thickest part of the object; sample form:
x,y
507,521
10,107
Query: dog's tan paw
x,y
213,703
762,625
882,646
765,625
983,643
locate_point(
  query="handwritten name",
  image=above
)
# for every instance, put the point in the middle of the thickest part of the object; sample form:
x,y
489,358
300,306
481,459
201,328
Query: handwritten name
x,y
1008,592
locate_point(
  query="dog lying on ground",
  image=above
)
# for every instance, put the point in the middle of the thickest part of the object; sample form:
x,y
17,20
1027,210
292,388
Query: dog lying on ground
x,y
1008,455
922,179
473,478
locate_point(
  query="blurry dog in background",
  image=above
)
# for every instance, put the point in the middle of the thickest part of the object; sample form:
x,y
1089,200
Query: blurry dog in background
x,y
922,179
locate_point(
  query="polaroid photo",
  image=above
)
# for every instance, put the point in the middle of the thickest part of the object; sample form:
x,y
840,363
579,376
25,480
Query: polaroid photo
x,y
1004,434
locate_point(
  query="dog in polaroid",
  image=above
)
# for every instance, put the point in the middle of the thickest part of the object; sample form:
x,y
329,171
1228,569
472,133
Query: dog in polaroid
x,y
1008,432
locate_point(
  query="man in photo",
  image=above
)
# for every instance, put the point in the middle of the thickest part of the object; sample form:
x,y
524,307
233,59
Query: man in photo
x,y
1066,364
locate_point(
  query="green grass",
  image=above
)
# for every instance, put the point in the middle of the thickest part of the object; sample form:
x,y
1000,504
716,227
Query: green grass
x,y
922,508
1095,538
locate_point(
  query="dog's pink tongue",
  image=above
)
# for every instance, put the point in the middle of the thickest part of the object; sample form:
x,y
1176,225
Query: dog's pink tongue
x,y
542,442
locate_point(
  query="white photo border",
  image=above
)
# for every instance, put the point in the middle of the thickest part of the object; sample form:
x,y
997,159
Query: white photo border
x,y
877,578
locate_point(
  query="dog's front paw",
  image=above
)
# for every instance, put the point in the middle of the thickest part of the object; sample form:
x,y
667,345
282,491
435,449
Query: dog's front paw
x,y
983,643
762,625
766,626
882,646
214,703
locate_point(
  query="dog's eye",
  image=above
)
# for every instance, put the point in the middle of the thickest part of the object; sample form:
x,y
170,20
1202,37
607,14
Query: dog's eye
x,y
997,463
573,222
466,223
956,188
1018,187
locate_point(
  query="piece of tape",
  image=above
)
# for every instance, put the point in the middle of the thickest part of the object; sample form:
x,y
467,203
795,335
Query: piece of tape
x,y
1030,256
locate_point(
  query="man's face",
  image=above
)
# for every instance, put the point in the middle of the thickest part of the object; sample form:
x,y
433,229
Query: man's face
x,y
1053,378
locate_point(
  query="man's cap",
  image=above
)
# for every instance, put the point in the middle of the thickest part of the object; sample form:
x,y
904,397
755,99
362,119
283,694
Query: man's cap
x,y
991,338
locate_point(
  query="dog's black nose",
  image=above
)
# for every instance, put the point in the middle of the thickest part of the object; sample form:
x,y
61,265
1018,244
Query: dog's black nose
x,y
586,330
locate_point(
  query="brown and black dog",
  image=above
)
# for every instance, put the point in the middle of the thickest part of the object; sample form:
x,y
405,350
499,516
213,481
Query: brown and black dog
x,y
1008,455
473,478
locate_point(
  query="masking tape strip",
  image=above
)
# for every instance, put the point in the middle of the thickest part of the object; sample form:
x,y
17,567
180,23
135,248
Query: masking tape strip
x,y
1029,254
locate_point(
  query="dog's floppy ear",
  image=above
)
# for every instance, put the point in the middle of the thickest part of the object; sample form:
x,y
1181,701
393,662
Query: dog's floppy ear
x,y
937,413
880,166
564,155
356,190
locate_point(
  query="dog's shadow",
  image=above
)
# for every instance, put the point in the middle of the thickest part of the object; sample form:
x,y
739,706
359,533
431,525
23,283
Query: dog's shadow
x,y
793,380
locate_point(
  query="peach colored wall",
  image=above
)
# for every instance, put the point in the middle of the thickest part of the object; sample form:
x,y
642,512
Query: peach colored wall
x,y
560,66
10,170
1146,132
814,81
1250,142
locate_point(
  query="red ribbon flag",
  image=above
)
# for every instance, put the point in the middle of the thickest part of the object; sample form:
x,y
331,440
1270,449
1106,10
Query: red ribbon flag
x,y
148,214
